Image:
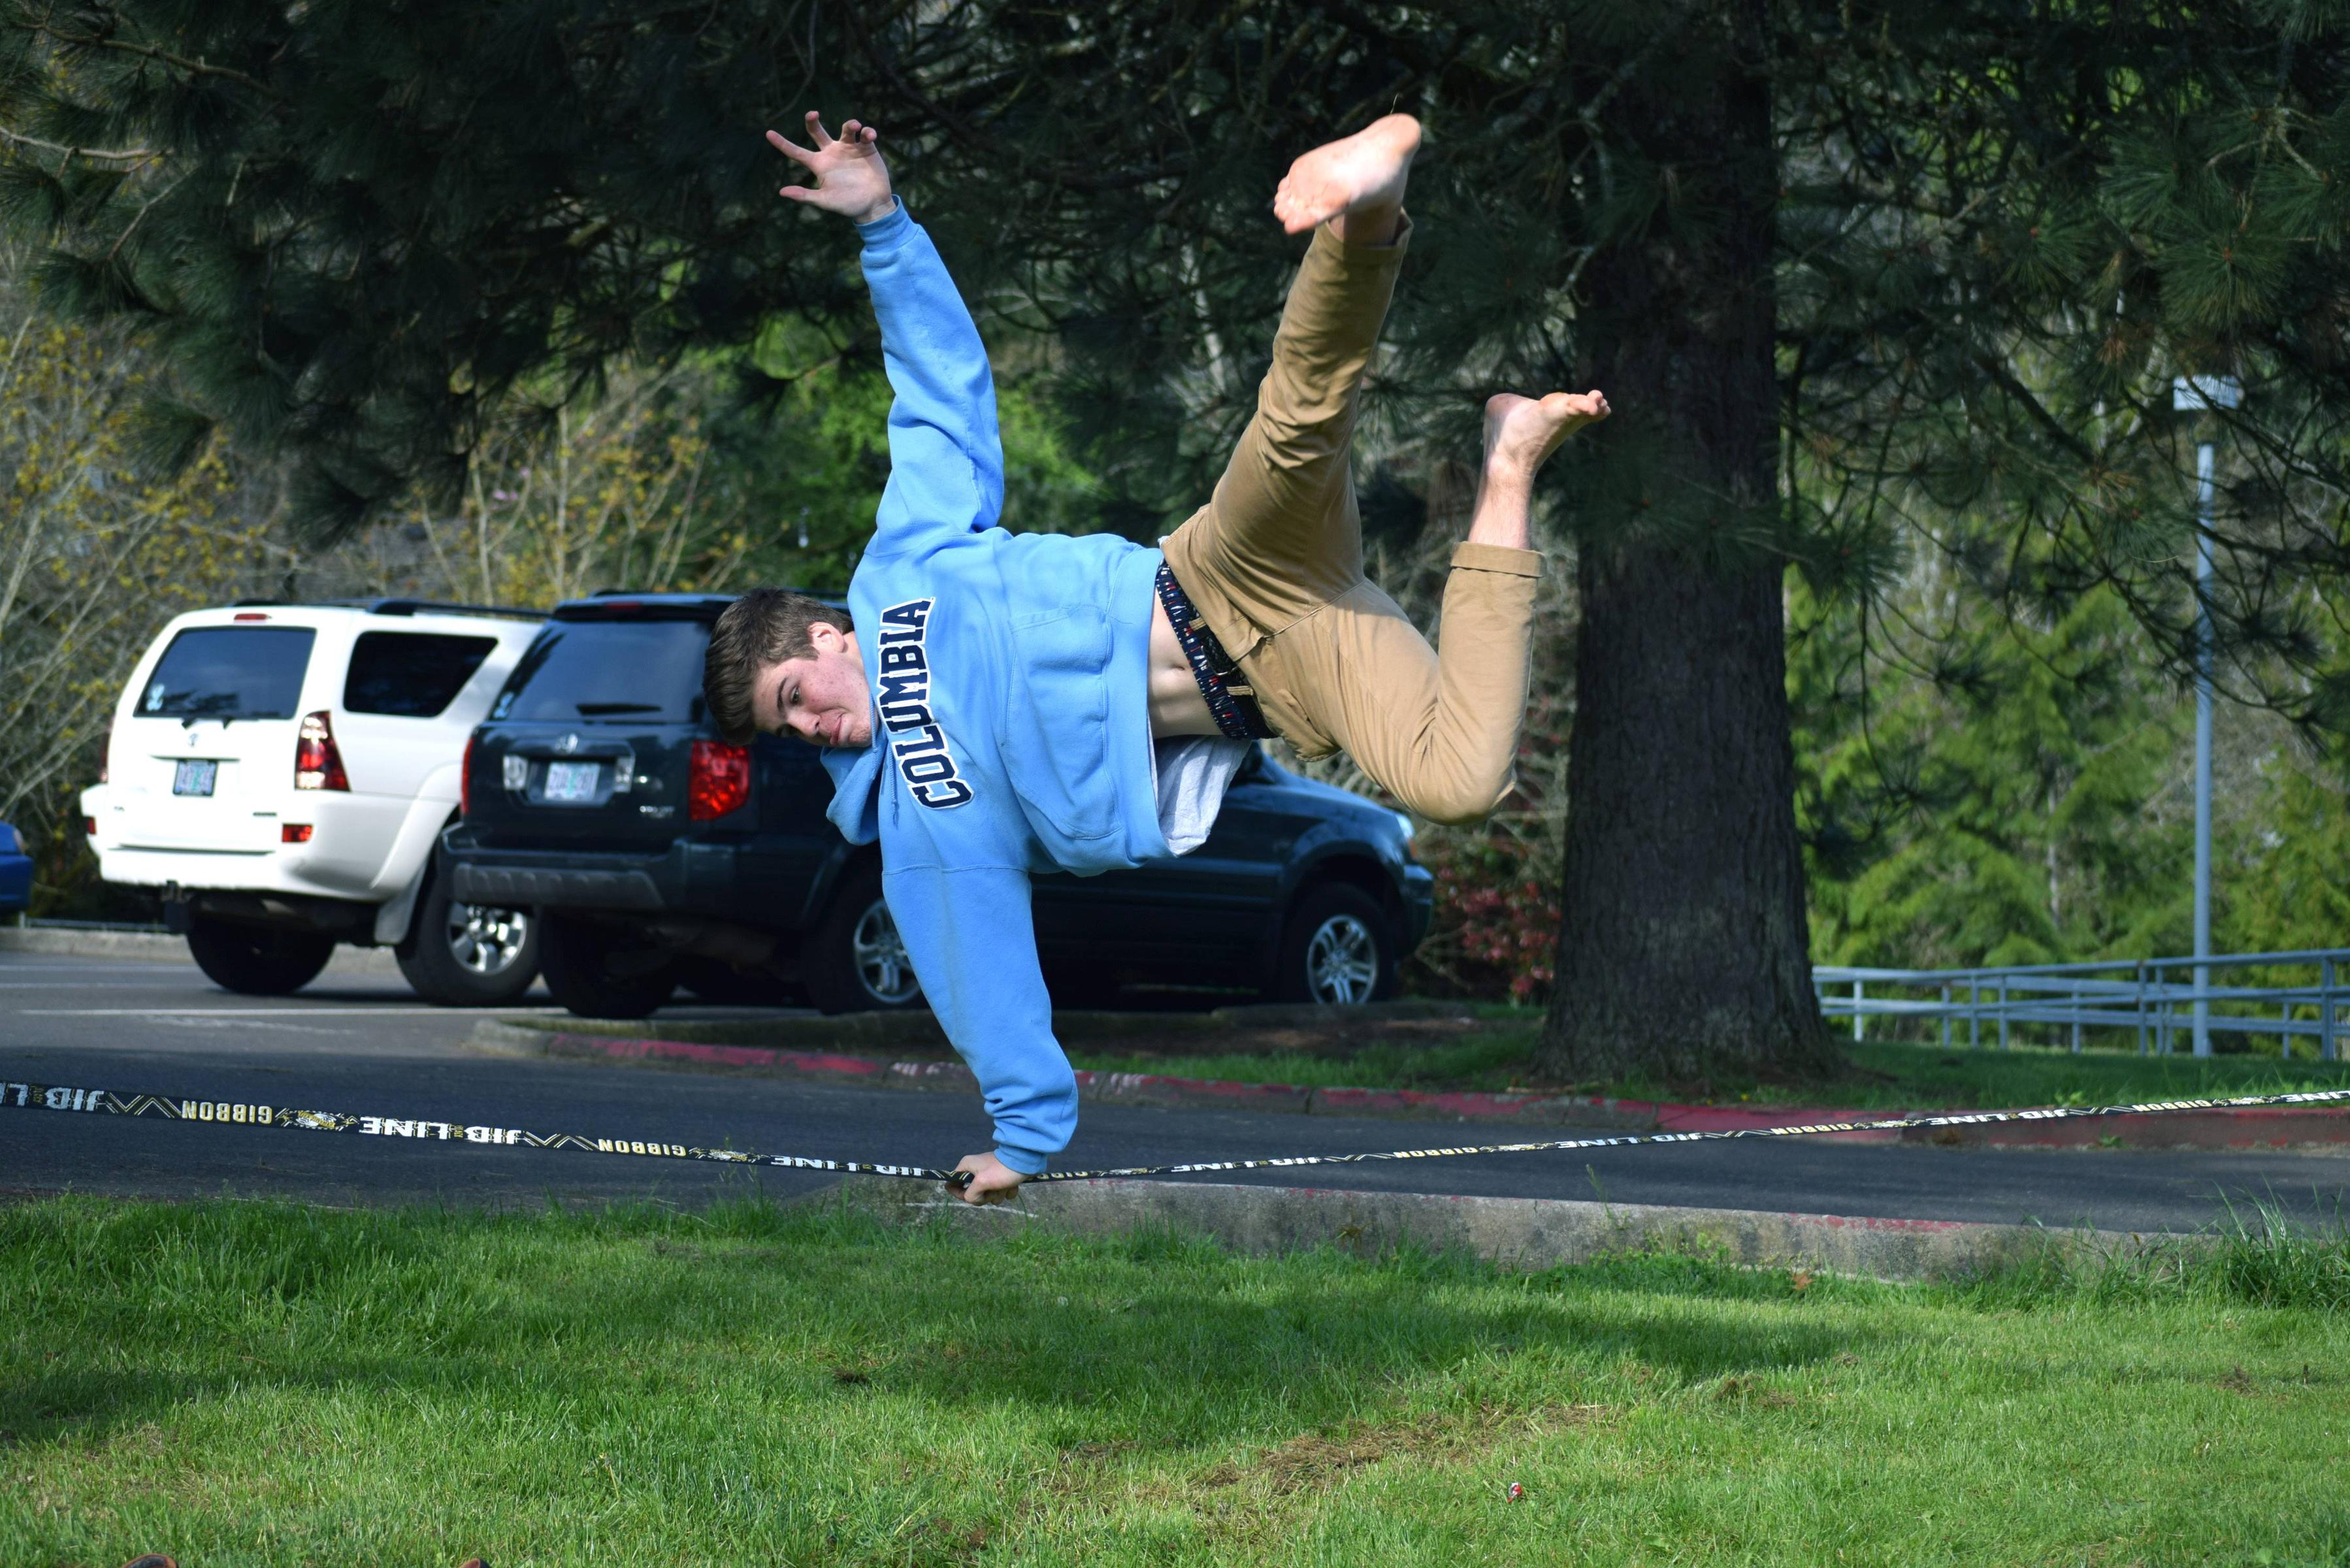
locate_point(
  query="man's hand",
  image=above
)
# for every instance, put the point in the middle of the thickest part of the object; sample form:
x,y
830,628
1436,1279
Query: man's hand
x,y
992,1180
850,178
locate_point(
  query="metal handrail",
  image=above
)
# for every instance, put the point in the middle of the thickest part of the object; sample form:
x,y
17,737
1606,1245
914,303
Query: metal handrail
x,y
2215,960
2075,995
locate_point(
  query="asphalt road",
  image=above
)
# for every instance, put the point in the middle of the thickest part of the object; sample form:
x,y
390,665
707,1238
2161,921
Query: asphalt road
x,y
358,1041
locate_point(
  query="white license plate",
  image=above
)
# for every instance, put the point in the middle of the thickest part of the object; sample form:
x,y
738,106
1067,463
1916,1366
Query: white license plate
x,y
572,781
195,777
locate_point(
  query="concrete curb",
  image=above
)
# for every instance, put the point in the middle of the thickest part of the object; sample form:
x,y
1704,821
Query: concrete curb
x,y
1524,1233
157,947
2256,1127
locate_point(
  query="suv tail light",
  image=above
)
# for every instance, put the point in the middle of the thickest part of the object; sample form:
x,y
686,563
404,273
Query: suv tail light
x,y
466,778
316,762
720,780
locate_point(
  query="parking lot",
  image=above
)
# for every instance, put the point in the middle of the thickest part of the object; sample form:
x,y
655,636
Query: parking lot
x,y
357,1041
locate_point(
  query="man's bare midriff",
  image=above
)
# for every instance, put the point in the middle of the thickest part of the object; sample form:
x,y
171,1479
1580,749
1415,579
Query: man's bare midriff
x,y
1176,706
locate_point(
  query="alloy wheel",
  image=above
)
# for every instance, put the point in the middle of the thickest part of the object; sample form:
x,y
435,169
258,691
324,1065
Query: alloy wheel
x,y
1342,962
487,940
882,967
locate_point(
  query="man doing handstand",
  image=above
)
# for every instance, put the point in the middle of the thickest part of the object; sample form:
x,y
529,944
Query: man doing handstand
x,y
997,703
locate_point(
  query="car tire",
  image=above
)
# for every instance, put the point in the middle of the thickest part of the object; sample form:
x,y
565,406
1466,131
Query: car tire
x,y
257,960
467,955
854,961
1338,947
595,971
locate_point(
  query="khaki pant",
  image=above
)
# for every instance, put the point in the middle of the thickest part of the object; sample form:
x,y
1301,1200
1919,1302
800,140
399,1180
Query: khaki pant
x,y
1274,565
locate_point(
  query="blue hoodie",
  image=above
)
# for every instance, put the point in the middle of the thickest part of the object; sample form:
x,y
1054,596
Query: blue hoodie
x,y
1011,721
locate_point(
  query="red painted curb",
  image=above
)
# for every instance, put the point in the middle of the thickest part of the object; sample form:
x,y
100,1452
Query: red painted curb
x,y
2254,1127
792,1063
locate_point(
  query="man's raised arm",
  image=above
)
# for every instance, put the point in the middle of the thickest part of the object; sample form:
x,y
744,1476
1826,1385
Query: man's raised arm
x,y
946,459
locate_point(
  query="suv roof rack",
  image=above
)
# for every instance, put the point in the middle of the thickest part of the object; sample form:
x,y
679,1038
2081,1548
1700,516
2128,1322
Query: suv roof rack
x,y
405,606
613,604
616,604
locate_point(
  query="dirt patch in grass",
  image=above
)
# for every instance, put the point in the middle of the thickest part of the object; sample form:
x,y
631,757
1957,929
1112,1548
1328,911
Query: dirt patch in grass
x,y
2277,1388
1748,1392
1312,1460
1307,1460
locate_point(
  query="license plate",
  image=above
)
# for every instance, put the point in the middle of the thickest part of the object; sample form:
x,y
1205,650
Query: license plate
x,y
195,777
572,781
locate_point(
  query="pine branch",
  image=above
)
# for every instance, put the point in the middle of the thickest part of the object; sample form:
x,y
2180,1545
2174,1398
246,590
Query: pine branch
x,y
150,51
2022,396
126,155
979,140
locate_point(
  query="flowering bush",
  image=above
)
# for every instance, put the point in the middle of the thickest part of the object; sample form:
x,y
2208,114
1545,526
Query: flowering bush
x,y
1495,935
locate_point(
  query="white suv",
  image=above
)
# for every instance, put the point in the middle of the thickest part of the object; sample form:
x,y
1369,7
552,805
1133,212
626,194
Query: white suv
x,y
283,773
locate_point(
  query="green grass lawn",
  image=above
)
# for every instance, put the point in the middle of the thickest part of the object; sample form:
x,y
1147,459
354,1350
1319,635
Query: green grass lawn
x,y
1499,1055
1490,1057
244,1384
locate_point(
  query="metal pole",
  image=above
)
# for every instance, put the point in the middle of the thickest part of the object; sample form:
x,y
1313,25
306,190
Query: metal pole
x,y
1946,1015
2203,456
2325,1012
2201,394
1858,1032
1974,1012
2141,1007
2003,1013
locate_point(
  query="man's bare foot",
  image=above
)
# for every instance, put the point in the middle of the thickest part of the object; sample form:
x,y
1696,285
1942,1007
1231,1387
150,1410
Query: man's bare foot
x,y
1361,173
1522,432
1520,435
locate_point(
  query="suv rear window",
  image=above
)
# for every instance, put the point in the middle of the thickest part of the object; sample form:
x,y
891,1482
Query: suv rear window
x,y
411,674
229,672
639,671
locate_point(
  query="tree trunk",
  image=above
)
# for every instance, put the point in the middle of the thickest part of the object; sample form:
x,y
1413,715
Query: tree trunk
x,y
1683,947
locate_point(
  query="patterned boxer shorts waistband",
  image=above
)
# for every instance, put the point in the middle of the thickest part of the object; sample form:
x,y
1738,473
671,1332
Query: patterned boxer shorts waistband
x,y
1232,702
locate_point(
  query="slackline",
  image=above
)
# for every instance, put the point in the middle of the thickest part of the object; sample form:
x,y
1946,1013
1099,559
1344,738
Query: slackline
x,y
77,1101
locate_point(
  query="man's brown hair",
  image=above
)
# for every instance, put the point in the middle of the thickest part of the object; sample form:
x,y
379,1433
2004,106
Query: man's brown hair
x,y
763,628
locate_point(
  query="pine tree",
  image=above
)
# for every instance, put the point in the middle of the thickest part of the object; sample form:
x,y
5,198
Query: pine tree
x,y
358,230
1997,261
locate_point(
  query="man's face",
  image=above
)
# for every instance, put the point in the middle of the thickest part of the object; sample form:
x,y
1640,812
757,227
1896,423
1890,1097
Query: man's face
x,y
820,696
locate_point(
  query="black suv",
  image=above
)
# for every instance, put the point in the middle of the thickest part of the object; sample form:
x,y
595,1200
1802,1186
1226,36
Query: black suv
x,y
658,855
